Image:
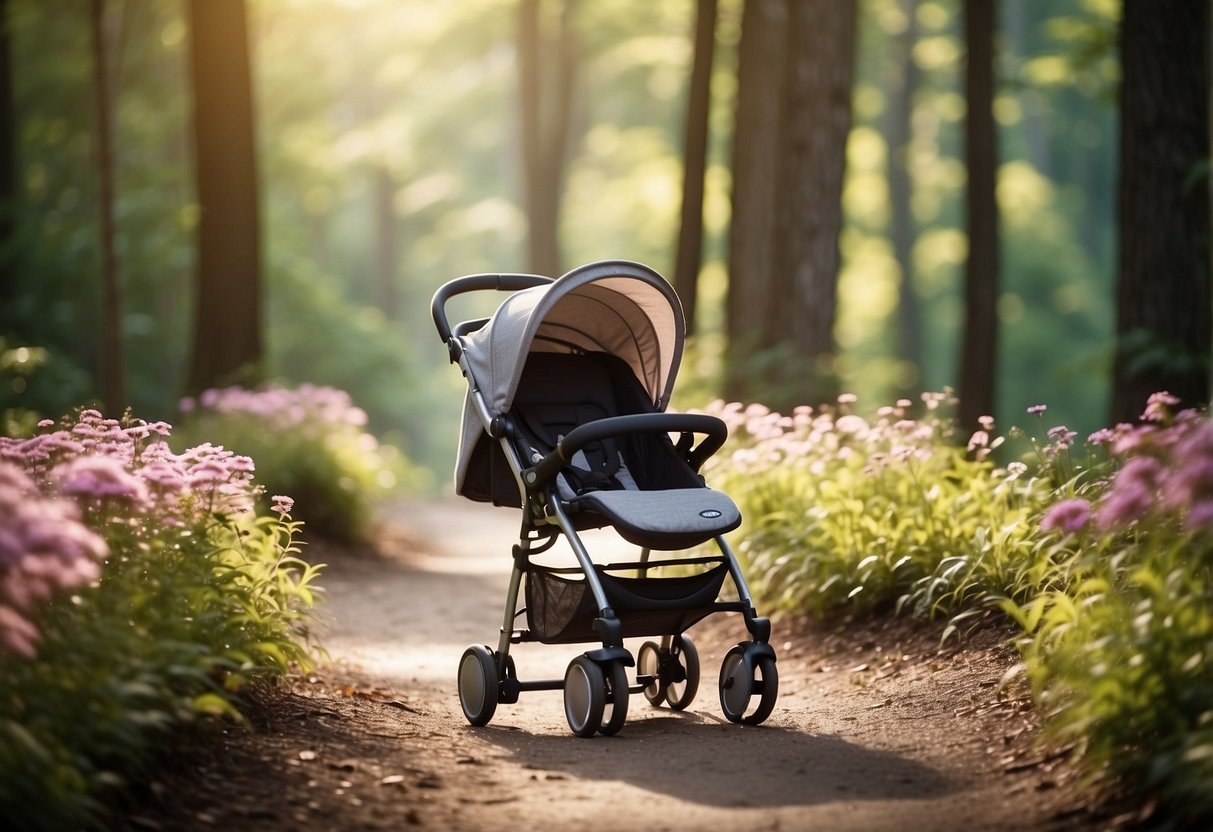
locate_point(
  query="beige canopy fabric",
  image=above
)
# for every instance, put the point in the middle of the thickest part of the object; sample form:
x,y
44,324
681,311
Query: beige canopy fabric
x,y
618,307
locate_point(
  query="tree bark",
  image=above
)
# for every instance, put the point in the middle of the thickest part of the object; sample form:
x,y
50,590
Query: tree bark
x,y
816,119
694,161
113,351
227,322
545,95
979,350
1163,325
760,57
902,83
8,162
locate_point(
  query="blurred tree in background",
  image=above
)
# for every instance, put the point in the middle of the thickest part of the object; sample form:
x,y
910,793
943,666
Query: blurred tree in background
x,y
1164,323
227,339
390,157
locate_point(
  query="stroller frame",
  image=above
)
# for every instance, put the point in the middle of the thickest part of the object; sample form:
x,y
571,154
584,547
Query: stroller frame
x,y
596,687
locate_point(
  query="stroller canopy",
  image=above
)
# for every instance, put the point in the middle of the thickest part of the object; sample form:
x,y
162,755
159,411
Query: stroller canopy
x,y
617,307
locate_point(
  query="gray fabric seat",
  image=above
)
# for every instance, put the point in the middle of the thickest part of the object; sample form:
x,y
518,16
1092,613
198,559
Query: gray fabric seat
x,y
638,483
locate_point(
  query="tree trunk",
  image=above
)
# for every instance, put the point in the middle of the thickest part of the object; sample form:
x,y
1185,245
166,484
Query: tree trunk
x,y
979,350
1163,325
694,161
545,94
902,83
756,127
8,162
113,352
816,119
227,323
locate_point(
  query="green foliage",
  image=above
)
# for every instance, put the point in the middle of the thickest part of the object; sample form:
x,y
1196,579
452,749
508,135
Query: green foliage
x,y
843,513
1102,558
196,600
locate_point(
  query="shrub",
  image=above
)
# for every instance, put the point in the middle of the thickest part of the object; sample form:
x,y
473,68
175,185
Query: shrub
x,y
309,442
846,513
1120,647
138,591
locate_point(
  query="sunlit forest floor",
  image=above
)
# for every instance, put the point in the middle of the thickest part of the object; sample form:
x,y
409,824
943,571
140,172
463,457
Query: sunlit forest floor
x,y
877,726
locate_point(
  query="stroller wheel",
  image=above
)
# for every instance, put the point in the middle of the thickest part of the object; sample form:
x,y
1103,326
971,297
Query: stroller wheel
x,y
648,663
682,673
740,678
478,685
616,709
584,696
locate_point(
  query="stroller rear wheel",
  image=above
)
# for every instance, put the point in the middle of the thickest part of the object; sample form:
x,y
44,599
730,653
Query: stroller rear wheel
x,y
683,683
742,676
585,696
675,672
478,685
648,663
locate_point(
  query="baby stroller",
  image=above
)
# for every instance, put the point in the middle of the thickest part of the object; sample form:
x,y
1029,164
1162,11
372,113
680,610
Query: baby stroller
x,y
564,419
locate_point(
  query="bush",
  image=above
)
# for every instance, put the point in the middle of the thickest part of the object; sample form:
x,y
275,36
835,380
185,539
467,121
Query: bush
x,y
1119,647
843,513
138,592
309,442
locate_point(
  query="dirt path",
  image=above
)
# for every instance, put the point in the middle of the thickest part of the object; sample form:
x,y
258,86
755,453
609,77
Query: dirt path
x,y
874,730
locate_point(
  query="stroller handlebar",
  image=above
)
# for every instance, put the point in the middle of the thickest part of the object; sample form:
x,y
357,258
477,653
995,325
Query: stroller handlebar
x,y
715,429
477,283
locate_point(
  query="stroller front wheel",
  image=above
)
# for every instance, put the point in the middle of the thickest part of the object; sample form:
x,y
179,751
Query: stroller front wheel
x,y
584,696
648,663
616,710
742,676
478,685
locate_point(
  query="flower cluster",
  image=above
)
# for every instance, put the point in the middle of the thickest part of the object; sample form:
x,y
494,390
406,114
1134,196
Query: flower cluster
x,y
812,437
68,488
1165,473
307,406
44,549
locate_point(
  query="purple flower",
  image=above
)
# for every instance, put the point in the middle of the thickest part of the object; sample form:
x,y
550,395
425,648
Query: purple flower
x,y
1068,515
1158,406
1133,493
99,477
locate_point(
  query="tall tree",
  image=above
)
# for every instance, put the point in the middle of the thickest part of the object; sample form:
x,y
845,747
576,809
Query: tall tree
x,y
979,349
547,65
227,321
811,158
695,160
1163,322
901,83
8,158
756,124
113,352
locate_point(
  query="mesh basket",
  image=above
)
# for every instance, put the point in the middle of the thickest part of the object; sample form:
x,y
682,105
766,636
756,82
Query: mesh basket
x,y
562,610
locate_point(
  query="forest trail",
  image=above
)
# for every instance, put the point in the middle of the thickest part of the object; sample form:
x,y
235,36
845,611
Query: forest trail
x,y
873,730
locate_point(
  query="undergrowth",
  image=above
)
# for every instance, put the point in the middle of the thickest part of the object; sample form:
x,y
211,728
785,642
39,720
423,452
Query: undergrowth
x,y
1100,552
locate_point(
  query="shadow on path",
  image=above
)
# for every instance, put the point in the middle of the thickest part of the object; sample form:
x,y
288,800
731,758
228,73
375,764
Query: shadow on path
x,y
705,761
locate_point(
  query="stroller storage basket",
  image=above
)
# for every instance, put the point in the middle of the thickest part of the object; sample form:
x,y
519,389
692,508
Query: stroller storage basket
x,y
561,610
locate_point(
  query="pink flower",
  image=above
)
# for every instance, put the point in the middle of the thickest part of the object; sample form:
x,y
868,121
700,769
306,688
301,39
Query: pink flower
x,y
1068,515
1037,409
1158,406
99,477
282,504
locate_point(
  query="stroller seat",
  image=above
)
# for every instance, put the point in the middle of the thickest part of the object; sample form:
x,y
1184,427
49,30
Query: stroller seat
x,y
638,483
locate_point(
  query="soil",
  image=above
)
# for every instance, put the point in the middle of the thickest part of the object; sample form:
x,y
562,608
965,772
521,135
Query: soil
x,y
877,726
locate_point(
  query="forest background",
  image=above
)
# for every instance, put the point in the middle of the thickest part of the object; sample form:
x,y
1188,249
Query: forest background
x,y
390,158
